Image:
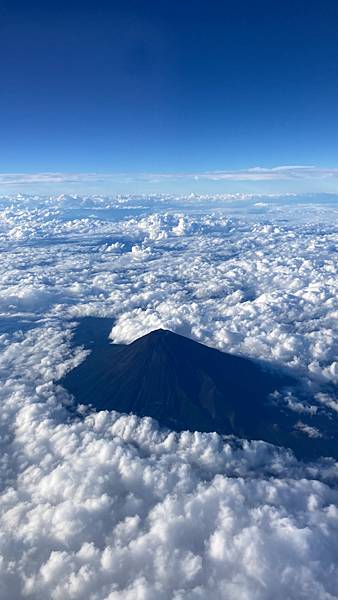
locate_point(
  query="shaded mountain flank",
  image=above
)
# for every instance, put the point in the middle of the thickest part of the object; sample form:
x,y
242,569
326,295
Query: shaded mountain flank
x,y
186,385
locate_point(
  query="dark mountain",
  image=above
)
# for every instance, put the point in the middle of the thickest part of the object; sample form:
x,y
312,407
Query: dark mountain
x,y
186,385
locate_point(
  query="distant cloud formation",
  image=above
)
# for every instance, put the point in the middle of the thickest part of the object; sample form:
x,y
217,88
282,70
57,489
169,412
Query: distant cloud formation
x,y
107,506
274,173
287,173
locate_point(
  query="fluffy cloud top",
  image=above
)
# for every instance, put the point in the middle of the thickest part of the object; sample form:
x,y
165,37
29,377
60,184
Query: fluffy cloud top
x,y
110,507
107,506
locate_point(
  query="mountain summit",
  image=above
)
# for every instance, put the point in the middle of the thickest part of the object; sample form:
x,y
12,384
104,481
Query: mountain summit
x,y
187,385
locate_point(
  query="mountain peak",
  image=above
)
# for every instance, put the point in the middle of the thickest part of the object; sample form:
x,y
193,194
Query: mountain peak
x,y
160,340
157,333
187,385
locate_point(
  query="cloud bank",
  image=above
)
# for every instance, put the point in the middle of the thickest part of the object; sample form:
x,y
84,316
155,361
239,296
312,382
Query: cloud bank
x,y
111,507
107,506
278,173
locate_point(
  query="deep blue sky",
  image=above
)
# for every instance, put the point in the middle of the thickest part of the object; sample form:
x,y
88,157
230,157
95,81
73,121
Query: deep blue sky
x,y
167,86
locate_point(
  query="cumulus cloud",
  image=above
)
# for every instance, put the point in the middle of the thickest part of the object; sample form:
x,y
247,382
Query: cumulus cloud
x,y
108,506
258,286
312,432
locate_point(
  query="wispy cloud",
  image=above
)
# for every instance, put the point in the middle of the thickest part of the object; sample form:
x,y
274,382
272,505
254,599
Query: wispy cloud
x,y
278,173
28,178
275,173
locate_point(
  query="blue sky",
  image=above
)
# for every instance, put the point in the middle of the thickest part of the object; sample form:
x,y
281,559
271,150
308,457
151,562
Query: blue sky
x,y
127,90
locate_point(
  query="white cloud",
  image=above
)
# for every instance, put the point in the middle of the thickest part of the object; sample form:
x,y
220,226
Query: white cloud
x,y
278,173
311,432
109,506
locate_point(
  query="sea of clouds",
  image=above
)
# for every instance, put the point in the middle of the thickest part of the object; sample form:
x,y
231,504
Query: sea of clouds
x,y
103,506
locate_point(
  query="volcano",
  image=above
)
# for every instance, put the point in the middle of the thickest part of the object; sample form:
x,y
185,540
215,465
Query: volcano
x,y
186,385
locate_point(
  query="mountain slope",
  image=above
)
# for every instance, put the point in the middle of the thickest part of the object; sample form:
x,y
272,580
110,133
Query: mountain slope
x,y
186,385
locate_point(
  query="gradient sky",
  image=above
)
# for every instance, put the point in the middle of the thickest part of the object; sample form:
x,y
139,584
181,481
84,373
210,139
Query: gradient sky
x,y
165,87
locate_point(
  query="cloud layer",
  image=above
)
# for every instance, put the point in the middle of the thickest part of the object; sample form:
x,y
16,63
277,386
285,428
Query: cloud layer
x,y
107,506
282,172
110,507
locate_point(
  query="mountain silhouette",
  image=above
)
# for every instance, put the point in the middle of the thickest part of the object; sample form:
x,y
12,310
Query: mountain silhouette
x,y
187,385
